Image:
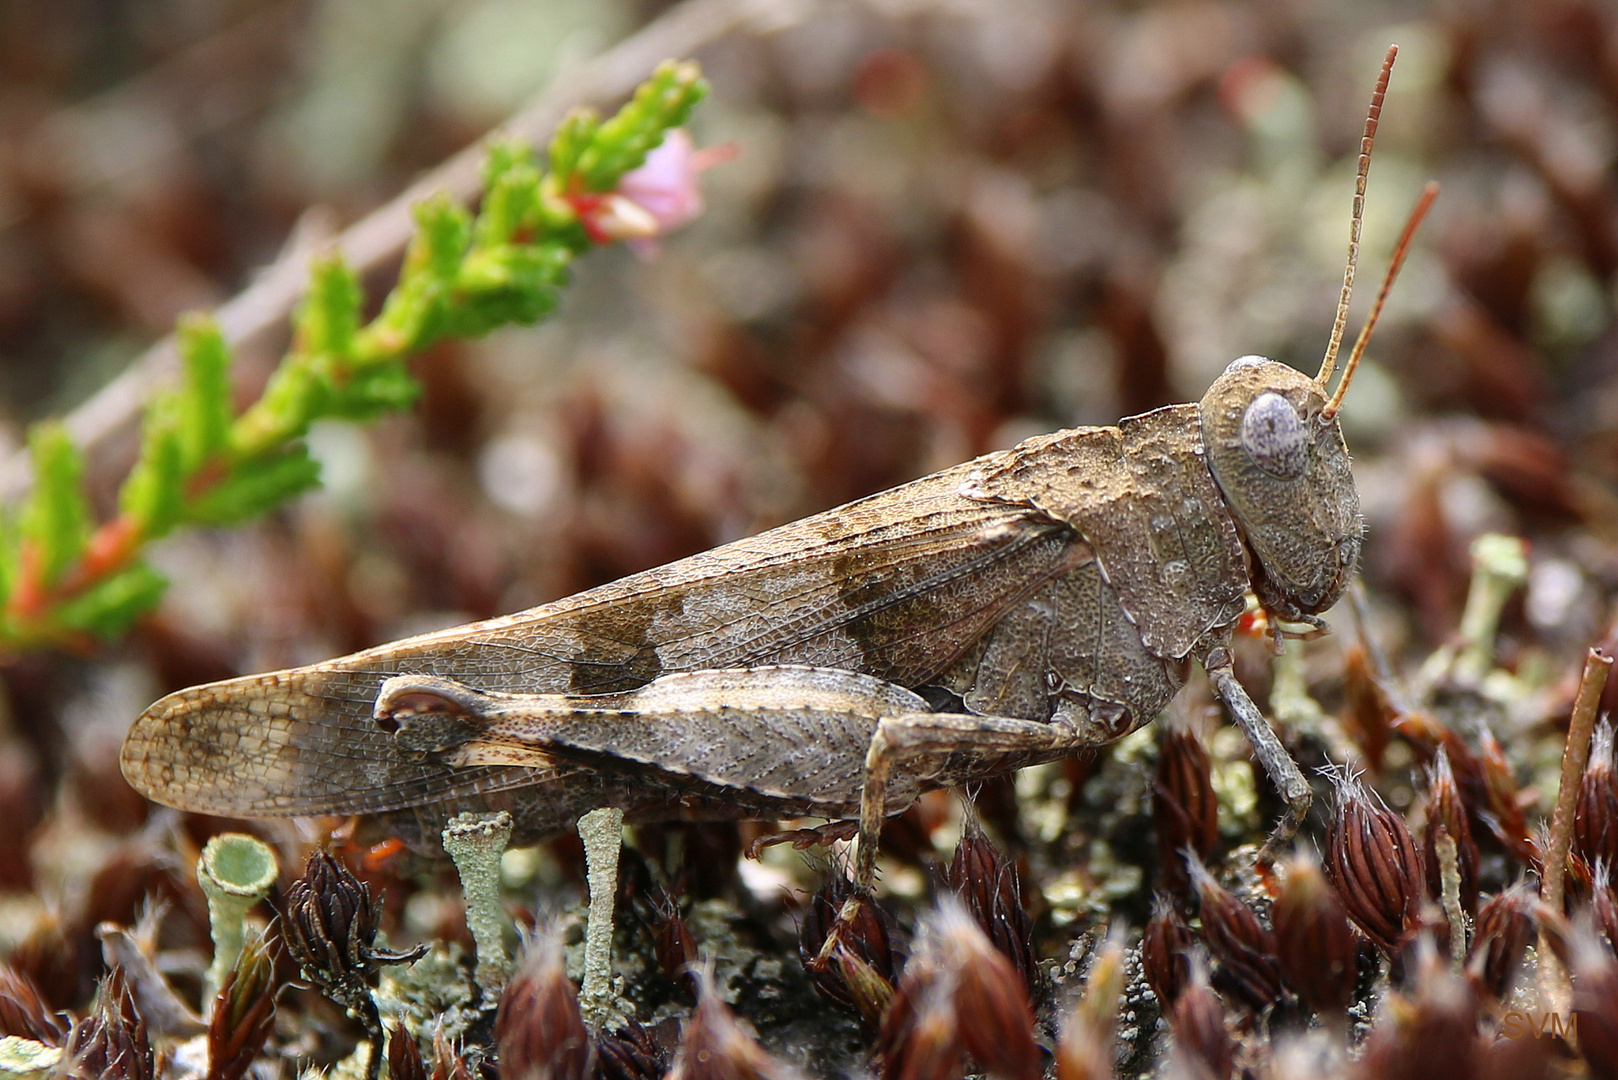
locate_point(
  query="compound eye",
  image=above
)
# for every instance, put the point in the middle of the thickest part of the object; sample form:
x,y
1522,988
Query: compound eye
x,y
1273,436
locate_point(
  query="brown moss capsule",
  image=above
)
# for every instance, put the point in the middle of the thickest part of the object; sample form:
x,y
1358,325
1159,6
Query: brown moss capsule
x,y
673,943
404,1056
986,882
1595,1004
23,1011
539,1029
846,944
1368,715
1427,1030
1595,820
1317,948
959,995
1374,865
920,1037
1505,926
1165,953
991,996
112,1043
1604,905
630,1053
1429,737
50,958
715,1046
1447,816
1579,884
1203,1047
1185,809
1244,947
330,926
1512,826
243,1012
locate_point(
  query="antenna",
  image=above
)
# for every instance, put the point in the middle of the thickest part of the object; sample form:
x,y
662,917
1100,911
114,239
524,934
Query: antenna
x,y
1329,364
1428,194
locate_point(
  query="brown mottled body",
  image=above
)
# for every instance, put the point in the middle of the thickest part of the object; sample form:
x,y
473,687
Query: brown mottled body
x,y
1023,606
1065,583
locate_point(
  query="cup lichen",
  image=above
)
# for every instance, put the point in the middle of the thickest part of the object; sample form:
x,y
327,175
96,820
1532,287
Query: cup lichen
x,y
235,872
602,833
476,842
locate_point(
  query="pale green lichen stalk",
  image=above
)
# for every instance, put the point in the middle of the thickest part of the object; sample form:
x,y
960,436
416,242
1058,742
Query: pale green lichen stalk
x,y
1499,568
1449,875
476,842
235,872
602,833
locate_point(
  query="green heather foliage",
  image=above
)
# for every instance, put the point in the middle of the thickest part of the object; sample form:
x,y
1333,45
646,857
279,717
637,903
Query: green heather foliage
x,y
64,580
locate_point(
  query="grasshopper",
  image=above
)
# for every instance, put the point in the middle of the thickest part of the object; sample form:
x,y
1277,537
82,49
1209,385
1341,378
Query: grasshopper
x,y
1020,607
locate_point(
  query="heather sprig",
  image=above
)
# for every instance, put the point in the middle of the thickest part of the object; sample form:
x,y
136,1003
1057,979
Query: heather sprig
x,y
66,579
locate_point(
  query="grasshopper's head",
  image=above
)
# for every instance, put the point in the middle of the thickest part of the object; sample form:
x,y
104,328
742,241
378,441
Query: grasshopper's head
x,y
1278,456
1273,444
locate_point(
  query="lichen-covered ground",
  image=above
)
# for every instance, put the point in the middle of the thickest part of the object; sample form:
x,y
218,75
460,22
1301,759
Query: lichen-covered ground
x,y
948,226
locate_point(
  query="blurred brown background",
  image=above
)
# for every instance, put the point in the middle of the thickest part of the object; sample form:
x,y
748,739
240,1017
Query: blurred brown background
x,y
950,225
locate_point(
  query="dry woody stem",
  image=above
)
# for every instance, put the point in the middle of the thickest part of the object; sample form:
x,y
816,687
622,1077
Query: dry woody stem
x,y
1576,753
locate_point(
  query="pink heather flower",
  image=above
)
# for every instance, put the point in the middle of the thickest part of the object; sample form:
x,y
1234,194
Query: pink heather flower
x,y
611,217
656,198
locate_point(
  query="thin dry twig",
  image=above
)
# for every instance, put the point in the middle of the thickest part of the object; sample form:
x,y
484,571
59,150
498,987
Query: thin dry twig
x,y
380,237
1575,755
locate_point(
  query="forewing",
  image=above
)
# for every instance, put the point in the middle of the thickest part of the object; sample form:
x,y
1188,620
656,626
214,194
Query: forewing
x,y
894,586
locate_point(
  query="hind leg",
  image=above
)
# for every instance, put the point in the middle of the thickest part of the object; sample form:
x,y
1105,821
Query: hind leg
x,y
983,745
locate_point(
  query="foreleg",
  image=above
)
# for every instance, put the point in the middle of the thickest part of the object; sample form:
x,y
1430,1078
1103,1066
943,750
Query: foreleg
x,y
1278,764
